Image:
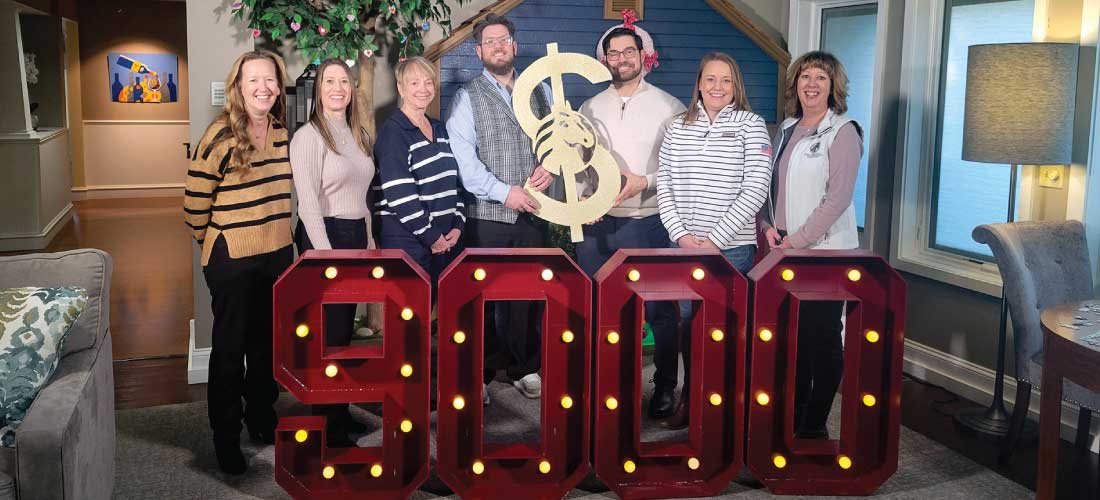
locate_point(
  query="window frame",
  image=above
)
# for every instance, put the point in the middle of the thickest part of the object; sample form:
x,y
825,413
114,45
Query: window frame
x,y
805,36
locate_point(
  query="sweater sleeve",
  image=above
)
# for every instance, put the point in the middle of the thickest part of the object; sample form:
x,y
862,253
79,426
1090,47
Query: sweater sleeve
x,y
755,181
203,177
844,155
666,203
307,156
399,187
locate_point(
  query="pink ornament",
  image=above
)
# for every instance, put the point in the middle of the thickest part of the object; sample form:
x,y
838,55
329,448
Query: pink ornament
x,y
351,17
321,30
629,18
256,33
393,10
368,53
650,61
236,6
295,26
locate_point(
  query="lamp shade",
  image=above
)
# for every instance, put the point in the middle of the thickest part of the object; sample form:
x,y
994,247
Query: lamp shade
x,y
1019,103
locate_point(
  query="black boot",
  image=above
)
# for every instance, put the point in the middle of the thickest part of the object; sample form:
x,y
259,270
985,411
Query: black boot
x,y
261,427
230,458
680,418
663,403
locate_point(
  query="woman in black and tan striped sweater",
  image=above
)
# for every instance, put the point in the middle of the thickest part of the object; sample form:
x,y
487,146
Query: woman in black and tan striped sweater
x,y
237,204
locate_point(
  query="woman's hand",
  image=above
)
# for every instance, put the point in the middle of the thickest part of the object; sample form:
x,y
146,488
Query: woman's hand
x,y
440,245
688,241
452,238
706,244
771,234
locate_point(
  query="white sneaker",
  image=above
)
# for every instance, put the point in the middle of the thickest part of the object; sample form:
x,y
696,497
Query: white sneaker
x,y
484,394
530,385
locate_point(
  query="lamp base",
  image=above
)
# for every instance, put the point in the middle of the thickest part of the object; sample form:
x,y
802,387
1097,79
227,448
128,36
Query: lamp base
x,y
992,423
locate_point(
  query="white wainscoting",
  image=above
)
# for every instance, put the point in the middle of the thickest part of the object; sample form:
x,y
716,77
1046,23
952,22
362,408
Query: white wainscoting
x,y
134,158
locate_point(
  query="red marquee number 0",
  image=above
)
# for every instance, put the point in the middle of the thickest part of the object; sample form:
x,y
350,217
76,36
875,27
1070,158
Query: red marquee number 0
x,y
396,374
867,452
559,461
704,464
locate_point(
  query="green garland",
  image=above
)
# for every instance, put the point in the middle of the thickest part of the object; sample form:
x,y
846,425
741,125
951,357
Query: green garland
x,y
342,28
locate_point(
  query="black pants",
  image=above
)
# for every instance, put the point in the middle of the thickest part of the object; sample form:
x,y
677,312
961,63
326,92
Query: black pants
x,y
343,234
394,235
517,325
601,240
240,291
820,364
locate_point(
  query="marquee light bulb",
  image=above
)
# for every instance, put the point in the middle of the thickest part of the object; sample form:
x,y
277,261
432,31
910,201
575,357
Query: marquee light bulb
x,y
872,336
869,400
378,272
765,335
547,275
479,274
406,314
301,435
715,399
787,274
376,470
567,336
611,403
854,275
331,370
698,273
406,370
459,337
762,398
693,463
844,462
328,472
780,461
459,403
406,426
633,275
566,402
717,335
629,466
612,337
302,331
544,467
330,272
478,467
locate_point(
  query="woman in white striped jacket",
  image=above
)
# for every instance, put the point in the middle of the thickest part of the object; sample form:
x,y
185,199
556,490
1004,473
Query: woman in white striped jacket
x,y
715,169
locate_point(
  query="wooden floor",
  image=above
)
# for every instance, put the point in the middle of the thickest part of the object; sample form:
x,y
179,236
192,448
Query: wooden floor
x,y
151,304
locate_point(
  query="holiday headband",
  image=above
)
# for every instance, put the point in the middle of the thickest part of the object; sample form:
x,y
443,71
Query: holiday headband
x,y
649,54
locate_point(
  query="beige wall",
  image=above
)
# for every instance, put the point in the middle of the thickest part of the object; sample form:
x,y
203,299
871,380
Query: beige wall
x,y
13,90
74,98
131,149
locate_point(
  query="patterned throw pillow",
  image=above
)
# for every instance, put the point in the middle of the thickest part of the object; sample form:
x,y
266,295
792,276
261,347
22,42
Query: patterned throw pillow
x,y
35,323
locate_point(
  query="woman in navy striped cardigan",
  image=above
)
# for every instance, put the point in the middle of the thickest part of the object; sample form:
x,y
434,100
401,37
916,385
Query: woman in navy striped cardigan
x,y
420,206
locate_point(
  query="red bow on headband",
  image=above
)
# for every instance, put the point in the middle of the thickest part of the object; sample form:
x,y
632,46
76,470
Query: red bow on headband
x,y
629,18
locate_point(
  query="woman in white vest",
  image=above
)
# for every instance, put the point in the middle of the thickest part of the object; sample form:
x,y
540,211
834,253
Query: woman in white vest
x,y
816,161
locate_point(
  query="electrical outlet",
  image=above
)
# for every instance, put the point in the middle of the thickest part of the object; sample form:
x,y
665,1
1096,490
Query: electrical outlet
x,y
1052,176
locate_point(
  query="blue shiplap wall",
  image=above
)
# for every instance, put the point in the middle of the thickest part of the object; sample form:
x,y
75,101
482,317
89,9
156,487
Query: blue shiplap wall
x,y
682,31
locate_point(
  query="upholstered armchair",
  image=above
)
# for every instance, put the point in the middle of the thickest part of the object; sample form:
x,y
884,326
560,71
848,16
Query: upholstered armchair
x,y
65,446
1042,264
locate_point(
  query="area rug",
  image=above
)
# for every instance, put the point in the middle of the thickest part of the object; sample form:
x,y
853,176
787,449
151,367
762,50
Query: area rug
x,y
165,452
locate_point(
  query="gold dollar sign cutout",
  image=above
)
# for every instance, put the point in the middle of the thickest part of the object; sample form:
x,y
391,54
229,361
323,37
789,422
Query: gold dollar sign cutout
x,y
556,137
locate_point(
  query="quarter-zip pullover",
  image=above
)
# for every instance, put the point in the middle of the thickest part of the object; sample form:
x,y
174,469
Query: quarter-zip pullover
x,y
714,176
631,129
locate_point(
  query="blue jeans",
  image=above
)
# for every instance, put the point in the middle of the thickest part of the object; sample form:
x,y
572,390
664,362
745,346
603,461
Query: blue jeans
x,y
601,241
742,258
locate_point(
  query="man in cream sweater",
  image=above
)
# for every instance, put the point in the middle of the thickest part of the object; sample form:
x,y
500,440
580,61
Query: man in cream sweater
x,y
630,119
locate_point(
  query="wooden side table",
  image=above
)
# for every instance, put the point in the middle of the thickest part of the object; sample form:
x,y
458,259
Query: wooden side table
x,y
1066,355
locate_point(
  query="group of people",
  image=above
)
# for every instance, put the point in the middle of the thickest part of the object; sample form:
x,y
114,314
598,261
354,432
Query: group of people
x,y
705,177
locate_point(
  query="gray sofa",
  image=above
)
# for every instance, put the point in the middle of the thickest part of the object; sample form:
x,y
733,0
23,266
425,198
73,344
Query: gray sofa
x,y
65,447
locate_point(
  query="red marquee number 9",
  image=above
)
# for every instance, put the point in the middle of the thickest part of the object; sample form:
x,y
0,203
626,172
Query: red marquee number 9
x,y
396,375
472,468
867,452
705,464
